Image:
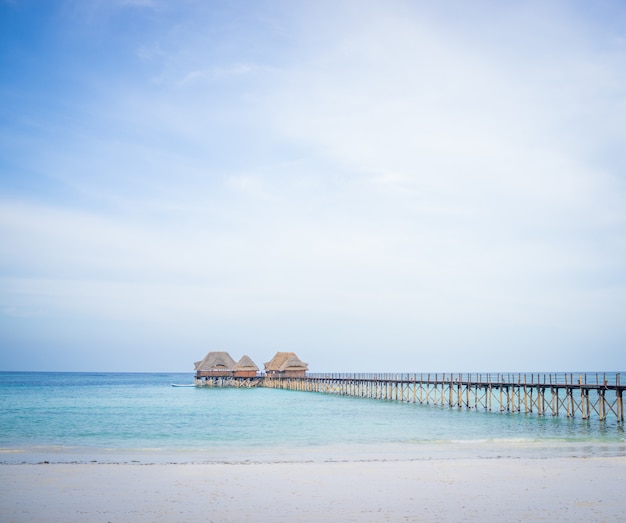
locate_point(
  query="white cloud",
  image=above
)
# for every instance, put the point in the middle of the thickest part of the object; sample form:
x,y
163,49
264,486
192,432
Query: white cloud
x,y
218,73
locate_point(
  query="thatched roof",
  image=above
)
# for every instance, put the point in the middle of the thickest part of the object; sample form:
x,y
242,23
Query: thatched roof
x,y
245,363
216,361
283,361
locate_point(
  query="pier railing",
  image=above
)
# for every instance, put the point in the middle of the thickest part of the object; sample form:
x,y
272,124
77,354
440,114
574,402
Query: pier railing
x,y
514,378
584,395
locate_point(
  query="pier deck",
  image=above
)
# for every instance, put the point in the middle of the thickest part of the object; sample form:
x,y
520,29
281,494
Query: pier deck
x,y
573,395
588,396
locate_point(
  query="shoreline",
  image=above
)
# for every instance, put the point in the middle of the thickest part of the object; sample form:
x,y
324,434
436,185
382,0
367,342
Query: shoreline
x,y
438,489
381,452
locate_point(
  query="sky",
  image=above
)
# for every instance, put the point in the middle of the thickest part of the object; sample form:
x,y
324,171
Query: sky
x,y
379,186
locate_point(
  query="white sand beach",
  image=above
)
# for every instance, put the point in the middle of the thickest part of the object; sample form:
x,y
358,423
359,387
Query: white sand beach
x,y
557,489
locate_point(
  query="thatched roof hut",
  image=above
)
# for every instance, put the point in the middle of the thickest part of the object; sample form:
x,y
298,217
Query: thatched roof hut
x,y
216,364
286,364
245,368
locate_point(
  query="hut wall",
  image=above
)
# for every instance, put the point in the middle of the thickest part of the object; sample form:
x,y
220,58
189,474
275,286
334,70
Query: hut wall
x,y
214,373
245,374
293,373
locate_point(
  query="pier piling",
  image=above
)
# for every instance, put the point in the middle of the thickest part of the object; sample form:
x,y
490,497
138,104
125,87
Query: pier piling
x,y
584,396
547,394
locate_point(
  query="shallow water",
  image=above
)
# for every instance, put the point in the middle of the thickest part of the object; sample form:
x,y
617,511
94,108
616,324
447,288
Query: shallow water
x,y
140,417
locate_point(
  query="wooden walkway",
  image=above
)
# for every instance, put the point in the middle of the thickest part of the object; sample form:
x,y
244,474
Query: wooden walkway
x,y
588,396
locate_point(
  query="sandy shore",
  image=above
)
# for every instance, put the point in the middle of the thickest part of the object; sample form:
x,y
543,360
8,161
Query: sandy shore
x,y
560,489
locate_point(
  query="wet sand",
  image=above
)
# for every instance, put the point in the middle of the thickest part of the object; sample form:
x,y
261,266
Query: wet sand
x,y
507,489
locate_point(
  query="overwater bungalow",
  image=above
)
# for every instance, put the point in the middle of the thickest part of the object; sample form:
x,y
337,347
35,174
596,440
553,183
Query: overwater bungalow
x,y
245,368
286,364
215,364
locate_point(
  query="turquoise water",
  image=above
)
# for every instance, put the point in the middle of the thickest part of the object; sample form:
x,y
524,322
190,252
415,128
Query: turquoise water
x,y
140,417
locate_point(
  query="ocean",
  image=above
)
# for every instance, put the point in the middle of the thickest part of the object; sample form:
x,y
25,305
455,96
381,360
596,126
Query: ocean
x,y
141,418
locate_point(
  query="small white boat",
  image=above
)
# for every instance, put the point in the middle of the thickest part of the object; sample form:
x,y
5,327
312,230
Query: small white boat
x,y
182,384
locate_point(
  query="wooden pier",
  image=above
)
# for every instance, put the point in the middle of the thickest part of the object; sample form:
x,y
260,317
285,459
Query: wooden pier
x,y
588,396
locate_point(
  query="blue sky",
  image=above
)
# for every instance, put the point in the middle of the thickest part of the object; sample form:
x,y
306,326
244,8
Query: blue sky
x,y
378,186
